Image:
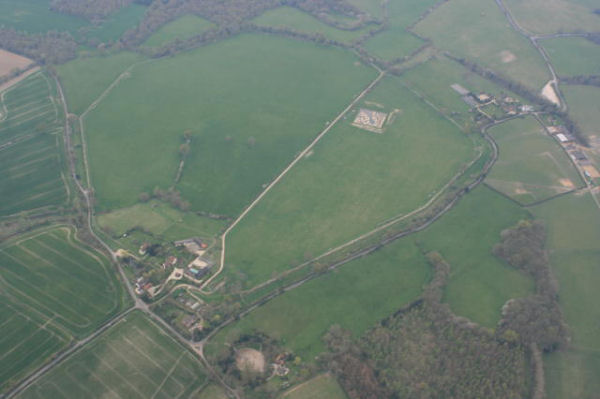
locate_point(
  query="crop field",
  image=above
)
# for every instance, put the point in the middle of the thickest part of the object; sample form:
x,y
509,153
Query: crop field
x,y
356,296
477,30
300,21
438,90
531,166
133,359
342,189
35,16
573,224
212,391
26,340
396,41
479,282
30,140
182,28
584,107
572,56
159,219
243,130
10,61
85,79
322,387
61,279
555,16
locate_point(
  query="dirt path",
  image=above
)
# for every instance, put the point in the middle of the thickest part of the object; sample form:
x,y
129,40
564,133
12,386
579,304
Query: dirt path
x,y
285,171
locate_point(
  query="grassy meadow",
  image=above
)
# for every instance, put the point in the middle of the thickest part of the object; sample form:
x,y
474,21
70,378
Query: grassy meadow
x,y
353,180
212,391
584,107
532,166
244,130
480,284
27,340
63,280
396,41
30,147
555,16
572,56
85,79
573,224
355,296
182,28
478,31
133,359
300,21
323,386
372,7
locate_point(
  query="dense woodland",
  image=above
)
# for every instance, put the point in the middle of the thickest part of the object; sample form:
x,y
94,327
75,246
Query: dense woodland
x,y
49,48
92,10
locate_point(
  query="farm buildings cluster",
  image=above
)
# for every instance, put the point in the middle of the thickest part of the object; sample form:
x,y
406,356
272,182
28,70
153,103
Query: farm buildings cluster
x,y
491,107
577,154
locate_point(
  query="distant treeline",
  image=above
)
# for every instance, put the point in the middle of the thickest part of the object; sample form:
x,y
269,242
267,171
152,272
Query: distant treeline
x,y
49,48
92,10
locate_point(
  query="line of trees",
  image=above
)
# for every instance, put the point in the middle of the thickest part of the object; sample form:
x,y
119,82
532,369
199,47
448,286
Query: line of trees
x,y
93,10
48,48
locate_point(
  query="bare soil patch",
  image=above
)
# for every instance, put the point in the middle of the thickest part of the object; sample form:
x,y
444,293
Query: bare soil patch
x,y
566,183
10,61
248,359
592,171
549,94
507,56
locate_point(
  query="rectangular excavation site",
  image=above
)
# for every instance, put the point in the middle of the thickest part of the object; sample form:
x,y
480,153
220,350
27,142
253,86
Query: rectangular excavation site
x,y
370,120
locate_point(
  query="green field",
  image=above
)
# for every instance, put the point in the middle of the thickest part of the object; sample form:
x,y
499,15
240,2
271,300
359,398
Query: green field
x,y
182,28
532,166
353,180
584,107
60,278
372,7
477,30
479,282
356,296
30,144
134,359
555,16
159,219
27,340
244,130
288,17
395,41
212,391
85,79
572,56
573,224
321,387
113,27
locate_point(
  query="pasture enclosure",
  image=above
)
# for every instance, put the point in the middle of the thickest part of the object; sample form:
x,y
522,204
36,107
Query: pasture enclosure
x,y
300,21
584,107
356,296
133,359
243,131
478,31
30,147
351,182
182,28
572,56
61,279
555,16
532,166
85,79
479,284
396,41
321,387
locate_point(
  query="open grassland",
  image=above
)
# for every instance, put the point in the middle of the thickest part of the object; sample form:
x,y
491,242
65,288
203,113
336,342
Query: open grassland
x,y
396,41
322,387
30,141
182,28
434,79
35,16
373,7
555,16
480,284
113,27
584,107
477,30
572,56
50,272
244,130
352,181
573,224
85,79
134,360
355,296
159,219
27,340
531,166
289,17
212,391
